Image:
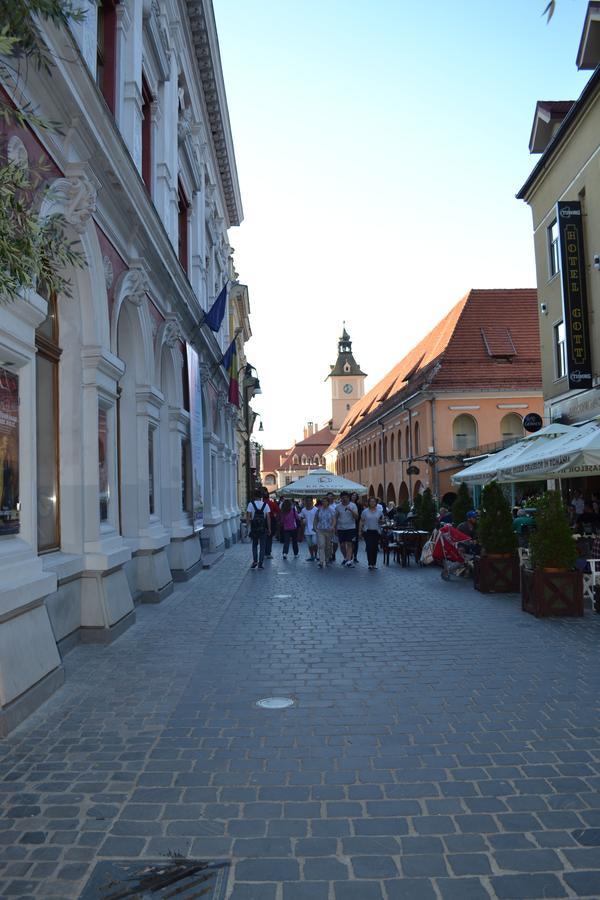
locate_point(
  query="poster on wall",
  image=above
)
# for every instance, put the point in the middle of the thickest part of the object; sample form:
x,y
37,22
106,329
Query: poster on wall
x,y
196,439
9,452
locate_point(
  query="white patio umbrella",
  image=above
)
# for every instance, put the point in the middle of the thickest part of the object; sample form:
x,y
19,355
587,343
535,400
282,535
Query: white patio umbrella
x,y
573,454
320,482
485,470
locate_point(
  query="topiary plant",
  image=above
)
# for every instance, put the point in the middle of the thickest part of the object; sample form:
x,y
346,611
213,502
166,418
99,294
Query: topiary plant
x,y
426,518
462,504
495,531
552,544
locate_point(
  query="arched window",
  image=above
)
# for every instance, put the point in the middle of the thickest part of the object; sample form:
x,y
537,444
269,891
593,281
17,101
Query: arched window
x,y
407,452
316,459
295,460
464,432
391,494
417,443
371,490
46,370
392,447
402,493
511,427
269,479
380,492
304,459
385,449
370,456
399,444
380,443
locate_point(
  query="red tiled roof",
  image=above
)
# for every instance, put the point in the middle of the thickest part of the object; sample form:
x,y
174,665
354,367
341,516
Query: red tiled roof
x,y
270,459
321,438
457,346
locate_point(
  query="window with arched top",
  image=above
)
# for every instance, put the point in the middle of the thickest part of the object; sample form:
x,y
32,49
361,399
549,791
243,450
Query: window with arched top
x,y
511,426
304,459
385,449
407,452
316,459
417,440
399,444
295,460
269,479
464,432
392,446
47,423
370,456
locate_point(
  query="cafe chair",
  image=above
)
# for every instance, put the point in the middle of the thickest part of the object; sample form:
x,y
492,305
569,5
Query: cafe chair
x,y
590,580
389,545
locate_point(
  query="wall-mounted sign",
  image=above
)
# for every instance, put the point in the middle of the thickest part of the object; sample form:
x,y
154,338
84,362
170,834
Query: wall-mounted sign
x,y
574,294
413,470
532,422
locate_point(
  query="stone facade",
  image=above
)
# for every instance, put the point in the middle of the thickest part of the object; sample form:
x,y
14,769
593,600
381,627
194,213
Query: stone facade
x,y
97,456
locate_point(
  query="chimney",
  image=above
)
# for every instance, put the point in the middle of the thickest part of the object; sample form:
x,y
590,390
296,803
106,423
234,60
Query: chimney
x,y
308,430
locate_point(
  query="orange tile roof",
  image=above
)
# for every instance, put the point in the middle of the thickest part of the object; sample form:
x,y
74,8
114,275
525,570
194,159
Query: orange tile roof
x,y
270,459
458,346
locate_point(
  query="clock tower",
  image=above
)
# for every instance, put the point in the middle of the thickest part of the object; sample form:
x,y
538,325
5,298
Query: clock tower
x,y
347,382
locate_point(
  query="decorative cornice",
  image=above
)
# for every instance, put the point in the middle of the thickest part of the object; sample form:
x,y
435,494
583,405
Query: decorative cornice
x,y
205,41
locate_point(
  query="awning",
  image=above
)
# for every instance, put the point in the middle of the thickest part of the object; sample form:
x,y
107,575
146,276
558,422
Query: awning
x,y
538,456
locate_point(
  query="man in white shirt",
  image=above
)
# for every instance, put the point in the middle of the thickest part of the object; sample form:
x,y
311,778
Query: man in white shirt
x,y
259,521
307,514
347,517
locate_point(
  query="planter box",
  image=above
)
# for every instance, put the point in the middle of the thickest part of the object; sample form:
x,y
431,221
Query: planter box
x,y
551,593
496,574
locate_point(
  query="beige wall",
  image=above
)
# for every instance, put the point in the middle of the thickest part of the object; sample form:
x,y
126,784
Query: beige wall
x,y
488,410
574,169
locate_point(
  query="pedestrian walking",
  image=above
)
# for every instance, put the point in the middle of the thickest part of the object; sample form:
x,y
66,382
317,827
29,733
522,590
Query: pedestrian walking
x,y
370,528
289,524
347,517
334,540
359,506
307,515
259,521
324,525
274,513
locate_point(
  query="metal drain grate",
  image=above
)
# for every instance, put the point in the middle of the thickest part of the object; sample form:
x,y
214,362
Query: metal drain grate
x,y
185,879
275,702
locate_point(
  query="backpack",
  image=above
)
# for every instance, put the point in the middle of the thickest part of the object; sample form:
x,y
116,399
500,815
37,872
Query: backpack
x,y
258,525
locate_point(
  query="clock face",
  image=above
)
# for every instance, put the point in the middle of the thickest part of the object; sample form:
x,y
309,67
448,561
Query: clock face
x,y
347,388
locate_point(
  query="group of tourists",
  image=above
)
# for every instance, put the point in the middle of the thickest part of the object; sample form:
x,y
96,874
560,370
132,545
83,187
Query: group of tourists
x,y
326,526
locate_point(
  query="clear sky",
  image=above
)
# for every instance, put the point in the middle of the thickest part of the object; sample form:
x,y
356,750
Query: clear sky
x,y
379,144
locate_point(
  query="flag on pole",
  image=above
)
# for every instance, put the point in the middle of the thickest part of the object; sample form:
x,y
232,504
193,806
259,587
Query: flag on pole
x,y
230,362
214,317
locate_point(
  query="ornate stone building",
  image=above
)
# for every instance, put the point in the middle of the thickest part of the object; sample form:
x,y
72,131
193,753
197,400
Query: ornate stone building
x,y
117,442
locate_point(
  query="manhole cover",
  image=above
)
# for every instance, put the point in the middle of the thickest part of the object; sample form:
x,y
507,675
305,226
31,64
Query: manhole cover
x,y
186,879
587,837
275,702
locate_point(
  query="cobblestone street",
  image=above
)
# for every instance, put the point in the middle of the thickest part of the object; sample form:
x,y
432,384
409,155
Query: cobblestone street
x,y
443,743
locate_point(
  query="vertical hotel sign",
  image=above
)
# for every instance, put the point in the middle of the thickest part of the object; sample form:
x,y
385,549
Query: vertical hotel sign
x,y
574,294
196,438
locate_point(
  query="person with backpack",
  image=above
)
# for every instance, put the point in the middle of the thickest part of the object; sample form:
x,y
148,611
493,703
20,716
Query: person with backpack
x,y
274,512
289,524
259,521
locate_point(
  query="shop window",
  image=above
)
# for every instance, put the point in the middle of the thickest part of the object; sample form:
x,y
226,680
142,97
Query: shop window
x,y
186,481
106,51
147,100
9,452
553,255
103,468
47,432
151,486
560,350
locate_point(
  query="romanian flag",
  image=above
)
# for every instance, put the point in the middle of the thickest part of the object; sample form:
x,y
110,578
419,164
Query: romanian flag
x,y
230,362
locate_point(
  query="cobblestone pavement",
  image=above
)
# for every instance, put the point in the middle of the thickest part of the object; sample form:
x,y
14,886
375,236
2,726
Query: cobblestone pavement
x,y
444,744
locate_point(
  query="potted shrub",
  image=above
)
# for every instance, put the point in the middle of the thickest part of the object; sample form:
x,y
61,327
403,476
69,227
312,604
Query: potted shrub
x,y
426,517
497,569
462,504
552,587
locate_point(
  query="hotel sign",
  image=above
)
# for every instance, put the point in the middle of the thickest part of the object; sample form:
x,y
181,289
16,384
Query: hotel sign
x,y
574,294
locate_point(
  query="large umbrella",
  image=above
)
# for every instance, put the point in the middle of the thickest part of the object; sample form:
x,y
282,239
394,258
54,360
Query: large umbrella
x,y
320,482
573,454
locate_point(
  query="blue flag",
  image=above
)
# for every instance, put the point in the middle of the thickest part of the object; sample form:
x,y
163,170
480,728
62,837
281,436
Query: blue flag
x,y
228,355
214,317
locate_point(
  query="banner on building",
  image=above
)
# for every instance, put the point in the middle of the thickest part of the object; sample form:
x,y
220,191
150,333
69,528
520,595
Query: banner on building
x,y
9,452
196,438
574,294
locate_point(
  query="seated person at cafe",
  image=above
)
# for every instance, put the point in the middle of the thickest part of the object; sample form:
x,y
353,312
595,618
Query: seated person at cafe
x,y
589,519
469,526
444,516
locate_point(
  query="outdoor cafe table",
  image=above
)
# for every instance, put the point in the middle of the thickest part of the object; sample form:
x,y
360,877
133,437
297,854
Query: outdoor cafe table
x,y
417,540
